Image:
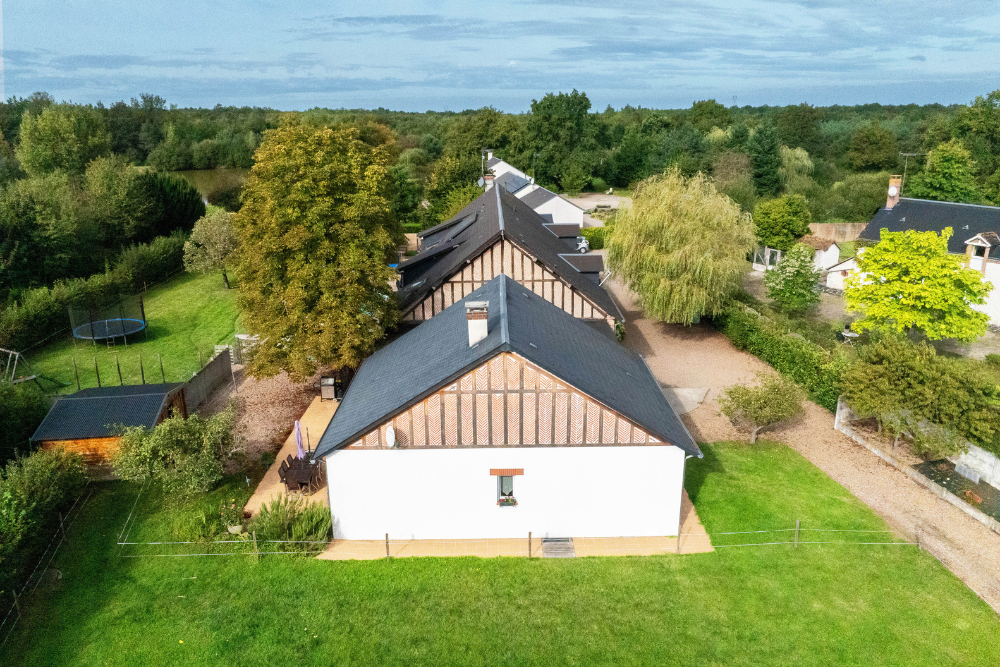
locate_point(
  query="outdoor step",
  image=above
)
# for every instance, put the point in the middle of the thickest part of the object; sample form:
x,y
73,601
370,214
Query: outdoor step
x,y
558,547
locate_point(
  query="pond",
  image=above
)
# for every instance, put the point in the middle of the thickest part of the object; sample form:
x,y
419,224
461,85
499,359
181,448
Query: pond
x,y
982,496
206,180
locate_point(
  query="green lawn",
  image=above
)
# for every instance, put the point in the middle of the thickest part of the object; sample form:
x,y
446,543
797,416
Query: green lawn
x,y
187,315
815,605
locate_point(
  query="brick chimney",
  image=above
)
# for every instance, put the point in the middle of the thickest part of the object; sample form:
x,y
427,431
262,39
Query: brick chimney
x,y
895,182
477,313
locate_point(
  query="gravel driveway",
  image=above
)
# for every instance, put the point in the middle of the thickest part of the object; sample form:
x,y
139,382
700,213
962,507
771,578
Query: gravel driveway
x,y
699,356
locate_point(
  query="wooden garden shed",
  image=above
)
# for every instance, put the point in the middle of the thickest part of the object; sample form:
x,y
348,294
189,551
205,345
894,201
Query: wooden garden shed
x,y
89,422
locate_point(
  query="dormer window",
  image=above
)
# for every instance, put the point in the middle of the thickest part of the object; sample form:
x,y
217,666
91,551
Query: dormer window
x,y
979,251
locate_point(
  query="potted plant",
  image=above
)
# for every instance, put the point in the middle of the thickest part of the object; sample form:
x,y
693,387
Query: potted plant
x,y
232,516
507,502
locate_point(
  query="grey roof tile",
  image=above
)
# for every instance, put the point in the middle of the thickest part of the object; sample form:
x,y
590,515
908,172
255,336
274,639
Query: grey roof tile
x,y
437,352
98,412
924,215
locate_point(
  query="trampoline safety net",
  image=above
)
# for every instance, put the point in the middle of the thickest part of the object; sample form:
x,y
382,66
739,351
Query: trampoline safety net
x,y
123,318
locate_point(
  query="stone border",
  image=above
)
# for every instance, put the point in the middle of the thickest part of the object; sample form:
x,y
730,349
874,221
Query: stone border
x,y
842,424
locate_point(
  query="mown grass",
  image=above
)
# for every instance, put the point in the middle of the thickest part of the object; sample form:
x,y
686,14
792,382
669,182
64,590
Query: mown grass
x,y
187,315
777,605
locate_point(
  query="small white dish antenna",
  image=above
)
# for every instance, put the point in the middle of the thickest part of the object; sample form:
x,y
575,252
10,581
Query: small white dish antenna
x,y
390,436
893,191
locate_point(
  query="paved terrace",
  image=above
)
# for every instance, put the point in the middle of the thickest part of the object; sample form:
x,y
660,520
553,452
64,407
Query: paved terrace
x,y
693,539
316,418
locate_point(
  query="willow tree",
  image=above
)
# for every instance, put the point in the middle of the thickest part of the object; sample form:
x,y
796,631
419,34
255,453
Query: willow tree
x,y
681,247
316,235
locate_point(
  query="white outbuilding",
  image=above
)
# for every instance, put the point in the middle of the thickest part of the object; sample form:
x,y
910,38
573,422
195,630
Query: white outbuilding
x,y
500,416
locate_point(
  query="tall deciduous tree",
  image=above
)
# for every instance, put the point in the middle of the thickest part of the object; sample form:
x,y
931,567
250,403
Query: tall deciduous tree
x,y
781,222
764,149
872,147
947,177
681,246
799,127
792,283
908,280
212,244
62,136
316,234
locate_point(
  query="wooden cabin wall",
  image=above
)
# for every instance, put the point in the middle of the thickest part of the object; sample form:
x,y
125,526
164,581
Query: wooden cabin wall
x,y
507,401
95,451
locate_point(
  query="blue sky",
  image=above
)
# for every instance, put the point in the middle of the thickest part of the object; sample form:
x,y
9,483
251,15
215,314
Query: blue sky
x,y
456,55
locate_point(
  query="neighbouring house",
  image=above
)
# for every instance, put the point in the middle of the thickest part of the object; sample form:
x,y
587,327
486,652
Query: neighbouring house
x,y
89,422
827,251
546,203
837,274
975,233
497,234
503,415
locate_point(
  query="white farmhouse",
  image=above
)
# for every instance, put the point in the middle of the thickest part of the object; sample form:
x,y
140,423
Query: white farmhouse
x,y
975,233
555,209
500,416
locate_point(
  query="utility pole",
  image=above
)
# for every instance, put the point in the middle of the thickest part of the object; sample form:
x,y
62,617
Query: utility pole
x,y
533,156
906,159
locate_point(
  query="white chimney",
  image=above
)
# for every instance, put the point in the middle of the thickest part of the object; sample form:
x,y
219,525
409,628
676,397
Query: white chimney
x,y
895,183
477,313
488,180
489,153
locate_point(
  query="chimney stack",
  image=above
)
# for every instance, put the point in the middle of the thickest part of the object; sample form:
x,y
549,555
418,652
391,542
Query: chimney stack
x,y
895,182
488,181
489,153
477,313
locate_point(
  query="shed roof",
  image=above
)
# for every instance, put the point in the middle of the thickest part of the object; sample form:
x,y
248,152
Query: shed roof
x,y
494,215
924,215
816,242
98,412
437,352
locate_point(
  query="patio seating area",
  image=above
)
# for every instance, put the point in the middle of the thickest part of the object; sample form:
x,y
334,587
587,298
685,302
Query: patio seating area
x,y
297,476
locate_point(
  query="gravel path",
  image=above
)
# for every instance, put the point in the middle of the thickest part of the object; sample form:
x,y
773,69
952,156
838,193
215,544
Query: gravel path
x,y
699,356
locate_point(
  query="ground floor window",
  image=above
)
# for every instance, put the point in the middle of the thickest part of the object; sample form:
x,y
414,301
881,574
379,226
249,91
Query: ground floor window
x,y
505,491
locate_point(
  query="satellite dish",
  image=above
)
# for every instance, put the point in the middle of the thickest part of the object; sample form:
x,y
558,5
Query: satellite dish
x,y
893,191
390,436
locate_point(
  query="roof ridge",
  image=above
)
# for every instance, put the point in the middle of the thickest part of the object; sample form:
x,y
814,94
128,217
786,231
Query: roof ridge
x,y
950,203
504,331
499,210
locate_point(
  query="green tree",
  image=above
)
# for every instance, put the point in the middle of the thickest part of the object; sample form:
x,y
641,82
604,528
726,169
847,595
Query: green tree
x,y
22,409
782,221
773,401
459,198
118,202
681,246
62,137
707,114
560,126
316,235
908,280
872,147
173,153
764,149
212,244
733,176
947,176
799,127
792,283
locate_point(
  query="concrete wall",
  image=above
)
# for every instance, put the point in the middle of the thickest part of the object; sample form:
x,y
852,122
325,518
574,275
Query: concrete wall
x,y
449,493
837,231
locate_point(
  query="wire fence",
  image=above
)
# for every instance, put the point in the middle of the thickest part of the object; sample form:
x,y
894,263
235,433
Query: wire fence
x,y
22,595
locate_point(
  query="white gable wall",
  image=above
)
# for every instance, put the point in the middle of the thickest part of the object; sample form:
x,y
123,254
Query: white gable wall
x,y
449,493
501,168
824,259
562,212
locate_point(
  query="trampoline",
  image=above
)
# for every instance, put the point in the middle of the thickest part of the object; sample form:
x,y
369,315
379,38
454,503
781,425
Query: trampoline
x,y
121,319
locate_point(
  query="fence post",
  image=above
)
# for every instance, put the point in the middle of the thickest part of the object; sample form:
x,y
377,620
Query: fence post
x,y
387,545
796,533
529,544
17,604
919,548
162,374
678,540
76,374
97,372
256,551
142,373
119,365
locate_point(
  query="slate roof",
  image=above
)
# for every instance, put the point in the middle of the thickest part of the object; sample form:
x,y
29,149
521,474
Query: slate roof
x,y
493,215
924,215
537,197
96,412
511,182
437,353
492,162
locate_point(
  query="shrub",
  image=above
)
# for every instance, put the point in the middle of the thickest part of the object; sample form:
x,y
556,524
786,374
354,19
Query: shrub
x,y
993,360
291,519
598,184
184,456
792,283
776,399
808,364
595,235
22,409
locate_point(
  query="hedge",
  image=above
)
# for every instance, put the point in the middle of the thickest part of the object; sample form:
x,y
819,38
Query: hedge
x,y
43,311
808,364
22,409
596,236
